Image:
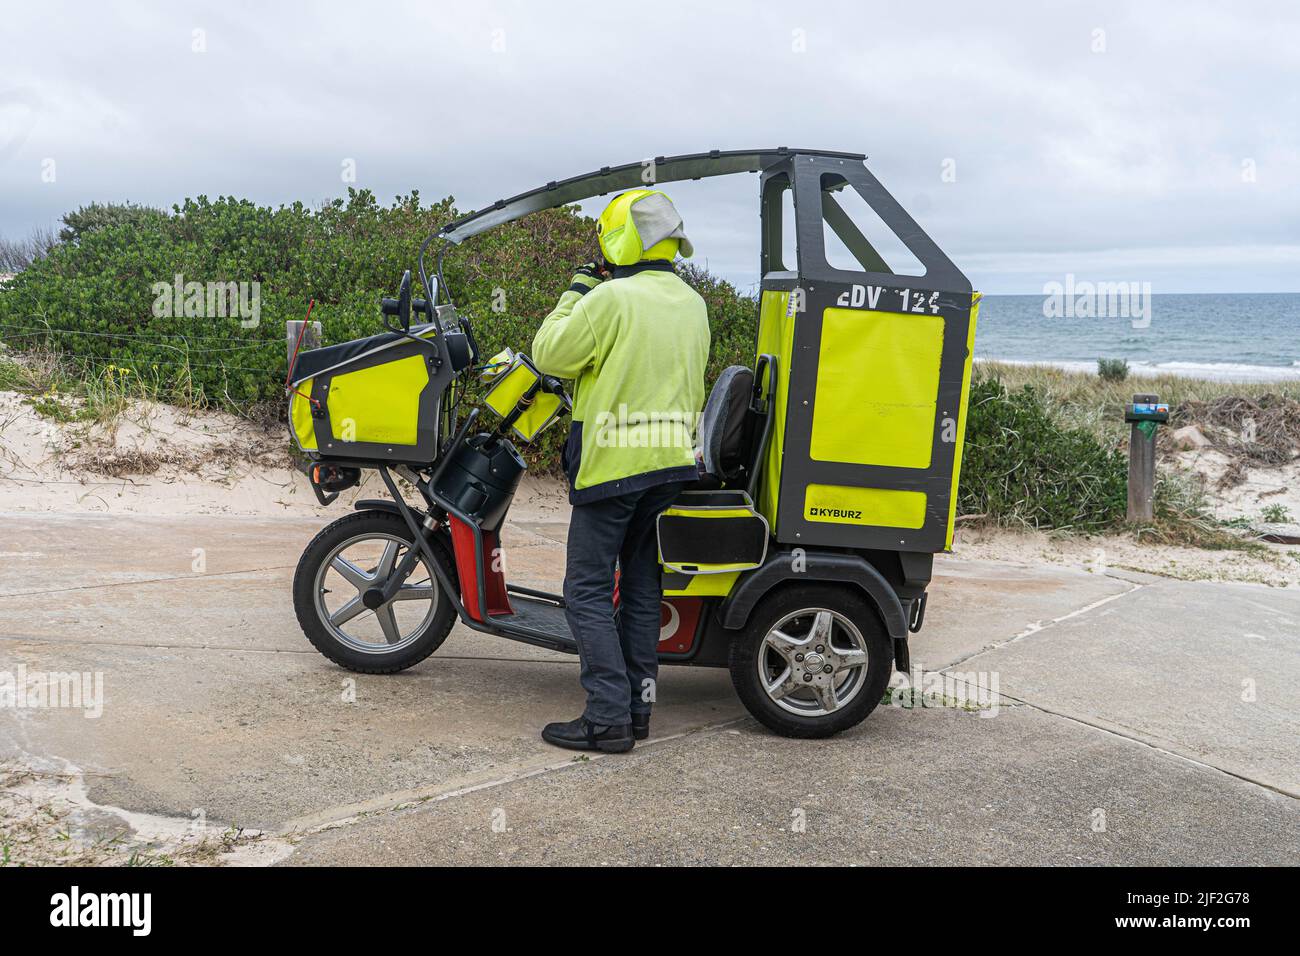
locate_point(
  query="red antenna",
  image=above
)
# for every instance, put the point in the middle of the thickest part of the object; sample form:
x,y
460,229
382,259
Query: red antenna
x,y
293,360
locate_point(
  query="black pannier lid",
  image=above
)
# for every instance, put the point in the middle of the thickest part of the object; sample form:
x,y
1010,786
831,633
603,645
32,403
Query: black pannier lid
x,y
316,361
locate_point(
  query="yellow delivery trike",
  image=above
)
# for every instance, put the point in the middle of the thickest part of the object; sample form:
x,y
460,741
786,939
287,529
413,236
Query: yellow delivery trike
x,y
828,468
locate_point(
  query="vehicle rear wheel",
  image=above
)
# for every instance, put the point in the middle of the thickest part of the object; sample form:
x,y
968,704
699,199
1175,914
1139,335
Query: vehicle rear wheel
x,y
341,564
812,661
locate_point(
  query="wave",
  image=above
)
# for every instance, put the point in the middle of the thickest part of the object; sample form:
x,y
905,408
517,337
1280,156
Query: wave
x,y
1215,371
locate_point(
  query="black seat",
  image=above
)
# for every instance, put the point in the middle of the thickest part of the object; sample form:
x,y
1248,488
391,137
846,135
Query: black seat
x,y
734,430
727,425
735,425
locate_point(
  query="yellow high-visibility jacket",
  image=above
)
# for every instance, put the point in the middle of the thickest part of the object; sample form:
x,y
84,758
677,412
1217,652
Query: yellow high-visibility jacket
x,y
636,347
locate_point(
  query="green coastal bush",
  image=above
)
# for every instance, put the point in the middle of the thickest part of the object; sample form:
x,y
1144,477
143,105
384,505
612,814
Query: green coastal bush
x,y
1021,467
93,296
96,216
1112,369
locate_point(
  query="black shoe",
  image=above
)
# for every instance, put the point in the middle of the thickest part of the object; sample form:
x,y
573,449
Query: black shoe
x,y
581,734
640,726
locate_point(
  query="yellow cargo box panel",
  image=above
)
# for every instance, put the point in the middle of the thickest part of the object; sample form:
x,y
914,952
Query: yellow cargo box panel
x,y
877,386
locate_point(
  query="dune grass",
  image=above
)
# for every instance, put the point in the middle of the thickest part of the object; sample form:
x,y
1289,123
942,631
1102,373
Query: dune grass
x,y
1084,400
1072,488
65,389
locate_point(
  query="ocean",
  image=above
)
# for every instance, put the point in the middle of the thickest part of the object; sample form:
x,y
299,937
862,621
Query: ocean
x,y
1241,337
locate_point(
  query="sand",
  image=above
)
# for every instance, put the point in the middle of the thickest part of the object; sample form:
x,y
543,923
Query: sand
x,y
162,460
1274,565
1260,488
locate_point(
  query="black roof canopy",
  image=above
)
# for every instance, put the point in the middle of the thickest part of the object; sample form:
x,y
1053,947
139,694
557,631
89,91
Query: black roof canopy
x,y
608,179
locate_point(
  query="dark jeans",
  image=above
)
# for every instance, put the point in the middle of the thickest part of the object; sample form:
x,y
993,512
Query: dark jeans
x,y
619,659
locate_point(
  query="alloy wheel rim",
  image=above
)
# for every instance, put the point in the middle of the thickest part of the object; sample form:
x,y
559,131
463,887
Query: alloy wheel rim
x,y
813,662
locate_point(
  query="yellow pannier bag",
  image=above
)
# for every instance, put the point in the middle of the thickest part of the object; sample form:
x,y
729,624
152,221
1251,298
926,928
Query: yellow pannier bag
x,y
372,399
517,387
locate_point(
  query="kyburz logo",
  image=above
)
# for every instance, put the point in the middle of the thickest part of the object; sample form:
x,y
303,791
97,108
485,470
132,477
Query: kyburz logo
x,y
815,512
75,908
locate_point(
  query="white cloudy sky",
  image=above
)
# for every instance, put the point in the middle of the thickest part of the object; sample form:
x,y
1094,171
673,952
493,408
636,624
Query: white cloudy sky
x,y
1123,164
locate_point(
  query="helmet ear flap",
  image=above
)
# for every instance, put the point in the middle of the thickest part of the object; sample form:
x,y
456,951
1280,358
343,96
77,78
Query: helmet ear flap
x,y
620,246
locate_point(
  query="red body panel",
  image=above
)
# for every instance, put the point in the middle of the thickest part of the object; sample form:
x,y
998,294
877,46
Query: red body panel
x,y
463,539
678,620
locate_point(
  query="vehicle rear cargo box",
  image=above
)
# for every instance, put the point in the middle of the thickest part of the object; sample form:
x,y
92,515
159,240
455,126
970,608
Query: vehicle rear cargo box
x,y
873,328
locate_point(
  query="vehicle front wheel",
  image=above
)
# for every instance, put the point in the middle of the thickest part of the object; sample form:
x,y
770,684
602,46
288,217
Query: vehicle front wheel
x,y
813,660
347,559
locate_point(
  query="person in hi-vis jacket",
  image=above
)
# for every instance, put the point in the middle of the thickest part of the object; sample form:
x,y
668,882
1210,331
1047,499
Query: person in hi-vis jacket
x,y
634,338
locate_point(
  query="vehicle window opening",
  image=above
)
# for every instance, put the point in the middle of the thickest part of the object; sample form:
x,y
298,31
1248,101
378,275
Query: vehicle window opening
x,y
856,238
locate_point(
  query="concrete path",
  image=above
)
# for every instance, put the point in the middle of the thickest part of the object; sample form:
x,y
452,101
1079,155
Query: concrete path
x,y
1118,719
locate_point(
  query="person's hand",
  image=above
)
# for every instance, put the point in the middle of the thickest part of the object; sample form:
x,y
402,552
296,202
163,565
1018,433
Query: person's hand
x,y
586,278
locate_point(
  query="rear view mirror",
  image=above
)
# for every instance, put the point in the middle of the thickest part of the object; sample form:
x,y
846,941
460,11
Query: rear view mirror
x,y
401,306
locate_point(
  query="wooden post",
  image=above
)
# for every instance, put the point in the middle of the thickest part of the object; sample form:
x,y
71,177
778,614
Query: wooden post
x,y
310,338
1141,468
